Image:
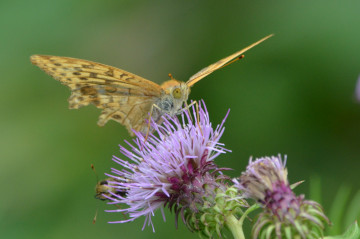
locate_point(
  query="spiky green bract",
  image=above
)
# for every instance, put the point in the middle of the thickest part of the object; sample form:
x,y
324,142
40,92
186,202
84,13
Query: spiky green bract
x,y
217,209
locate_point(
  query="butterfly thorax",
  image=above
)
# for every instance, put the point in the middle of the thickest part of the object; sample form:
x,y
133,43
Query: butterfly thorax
x,y
174,96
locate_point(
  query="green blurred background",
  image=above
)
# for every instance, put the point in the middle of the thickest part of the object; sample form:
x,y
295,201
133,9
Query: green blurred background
x,y
293,94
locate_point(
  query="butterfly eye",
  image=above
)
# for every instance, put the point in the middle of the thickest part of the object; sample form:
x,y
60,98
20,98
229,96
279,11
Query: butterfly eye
x,y
177,93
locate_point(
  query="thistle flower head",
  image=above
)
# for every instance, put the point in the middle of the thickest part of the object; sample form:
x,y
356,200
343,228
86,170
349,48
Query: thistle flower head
x,y
174,169
263,175
285,214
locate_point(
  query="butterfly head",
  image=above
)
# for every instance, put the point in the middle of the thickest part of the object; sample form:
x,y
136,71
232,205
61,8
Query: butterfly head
x,y
176,94
178,90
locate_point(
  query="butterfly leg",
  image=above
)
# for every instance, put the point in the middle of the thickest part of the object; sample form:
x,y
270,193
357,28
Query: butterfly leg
x,y
188,108
197,113
149,120
198,117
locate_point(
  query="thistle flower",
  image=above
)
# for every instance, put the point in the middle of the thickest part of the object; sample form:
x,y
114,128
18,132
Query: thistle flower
x,y
176,169
285,215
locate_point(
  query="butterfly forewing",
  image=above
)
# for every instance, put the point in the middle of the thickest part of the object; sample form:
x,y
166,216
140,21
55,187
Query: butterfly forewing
x,y
213,67
123,96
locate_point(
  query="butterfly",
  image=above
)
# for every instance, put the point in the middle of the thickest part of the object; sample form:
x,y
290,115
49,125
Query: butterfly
x,y
123,96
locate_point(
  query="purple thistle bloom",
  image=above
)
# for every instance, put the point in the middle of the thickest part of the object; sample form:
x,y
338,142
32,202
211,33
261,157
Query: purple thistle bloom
x,y
174,169
265,180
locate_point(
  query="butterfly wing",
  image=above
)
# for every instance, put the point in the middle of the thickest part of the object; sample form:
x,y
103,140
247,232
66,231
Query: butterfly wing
x,y
208,70
123,96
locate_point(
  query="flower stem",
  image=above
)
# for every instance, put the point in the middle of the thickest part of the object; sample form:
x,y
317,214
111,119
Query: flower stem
x,y
234,226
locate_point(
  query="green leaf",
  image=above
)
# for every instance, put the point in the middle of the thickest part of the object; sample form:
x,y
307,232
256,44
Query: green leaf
x,y
338,207
353,232
353,211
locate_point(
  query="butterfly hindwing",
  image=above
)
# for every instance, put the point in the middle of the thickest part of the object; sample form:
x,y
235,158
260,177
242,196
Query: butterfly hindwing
x,y
123,96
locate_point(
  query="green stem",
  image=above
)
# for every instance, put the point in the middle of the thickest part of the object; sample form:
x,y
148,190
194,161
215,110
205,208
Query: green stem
x,y
234,226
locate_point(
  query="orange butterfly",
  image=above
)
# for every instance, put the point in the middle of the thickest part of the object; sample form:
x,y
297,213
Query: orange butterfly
x,y
123,96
